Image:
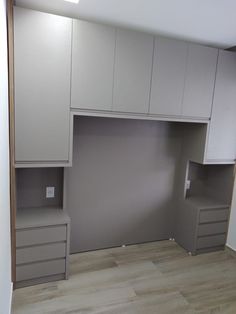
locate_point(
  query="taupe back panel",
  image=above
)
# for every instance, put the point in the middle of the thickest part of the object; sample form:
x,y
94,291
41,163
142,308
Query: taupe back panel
x,y
120,188
32,183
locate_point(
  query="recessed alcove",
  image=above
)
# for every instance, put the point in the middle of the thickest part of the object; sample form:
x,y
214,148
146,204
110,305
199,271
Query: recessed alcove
x,y
213,181
122,184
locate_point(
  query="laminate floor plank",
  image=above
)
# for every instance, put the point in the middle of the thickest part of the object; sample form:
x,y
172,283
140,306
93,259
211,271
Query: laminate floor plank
x,y
158,277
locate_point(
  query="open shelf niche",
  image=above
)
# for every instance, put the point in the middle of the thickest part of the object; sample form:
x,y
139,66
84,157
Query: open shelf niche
x,y
33,207
212,182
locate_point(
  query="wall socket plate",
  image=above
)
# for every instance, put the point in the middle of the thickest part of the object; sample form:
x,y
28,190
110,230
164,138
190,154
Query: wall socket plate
x,y
188,184
50,191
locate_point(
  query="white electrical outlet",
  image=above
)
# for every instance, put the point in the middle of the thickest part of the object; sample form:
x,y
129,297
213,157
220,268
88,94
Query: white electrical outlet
x,y
188,184
50,191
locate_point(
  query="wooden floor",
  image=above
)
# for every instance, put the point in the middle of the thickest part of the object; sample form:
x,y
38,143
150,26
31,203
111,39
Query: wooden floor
x,y
151,278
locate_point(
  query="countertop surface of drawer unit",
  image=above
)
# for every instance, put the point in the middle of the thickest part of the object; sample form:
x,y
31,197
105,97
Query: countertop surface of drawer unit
x,y
40,217
204,202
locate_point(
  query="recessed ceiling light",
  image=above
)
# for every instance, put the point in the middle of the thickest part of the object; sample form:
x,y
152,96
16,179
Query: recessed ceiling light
x,y
72,1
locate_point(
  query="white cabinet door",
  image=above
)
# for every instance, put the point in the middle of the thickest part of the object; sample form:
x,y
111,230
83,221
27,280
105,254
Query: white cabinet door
x,y
222,132
132,76
42,55
93,48
199,81
169,64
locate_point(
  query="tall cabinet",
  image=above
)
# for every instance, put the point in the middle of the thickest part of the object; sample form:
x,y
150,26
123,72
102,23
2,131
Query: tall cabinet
x,y
42,61
221,145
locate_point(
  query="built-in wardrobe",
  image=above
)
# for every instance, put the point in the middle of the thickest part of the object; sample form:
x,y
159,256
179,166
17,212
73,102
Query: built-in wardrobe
x,y
121,137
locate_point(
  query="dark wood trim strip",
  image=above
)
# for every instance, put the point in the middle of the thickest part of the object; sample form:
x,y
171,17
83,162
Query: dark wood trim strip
x,y
10,29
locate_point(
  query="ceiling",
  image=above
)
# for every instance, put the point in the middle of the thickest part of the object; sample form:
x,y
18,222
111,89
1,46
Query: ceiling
x,y
210,22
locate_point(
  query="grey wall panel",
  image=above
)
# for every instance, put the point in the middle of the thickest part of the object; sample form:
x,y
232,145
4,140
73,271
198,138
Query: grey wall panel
x,y
31,187
121,184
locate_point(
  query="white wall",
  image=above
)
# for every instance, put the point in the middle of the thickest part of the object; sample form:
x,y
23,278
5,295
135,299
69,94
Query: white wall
x,y
5,253
231,241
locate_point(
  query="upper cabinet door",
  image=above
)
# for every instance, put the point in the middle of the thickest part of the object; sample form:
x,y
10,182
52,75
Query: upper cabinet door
x,y
222,132
42,44
132,76
199,81
93,49
168,77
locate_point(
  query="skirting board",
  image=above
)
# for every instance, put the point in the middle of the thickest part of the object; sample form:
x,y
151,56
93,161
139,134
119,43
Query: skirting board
x,y
231,248
10,298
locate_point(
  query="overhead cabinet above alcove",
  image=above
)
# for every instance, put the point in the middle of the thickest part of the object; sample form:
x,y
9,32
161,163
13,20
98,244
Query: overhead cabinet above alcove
x,y
183,79
66,67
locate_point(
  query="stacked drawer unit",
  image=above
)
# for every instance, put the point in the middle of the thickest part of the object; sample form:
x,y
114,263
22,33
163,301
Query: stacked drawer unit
x,y
42,245
202,224
212,228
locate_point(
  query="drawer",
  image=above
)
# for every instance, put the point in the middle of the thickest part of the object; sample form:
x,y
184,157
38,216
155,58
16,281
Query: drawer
x,y
213,228
41,269
43,235
213,215
40,253
211,241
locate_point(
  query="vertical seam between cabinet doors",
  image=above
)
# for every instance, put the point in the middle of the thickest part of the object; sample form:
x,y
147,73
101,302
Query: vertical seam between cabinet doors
x,y
71,47
185,77
196,230
150,89
213,95
70,134
114,66
212,104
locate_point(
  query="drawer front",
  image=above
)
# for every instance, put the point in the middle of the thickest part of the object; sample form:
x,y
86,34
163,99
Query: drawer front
x,y
42,269
213,228
40,235
211,241
214,215
40,253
